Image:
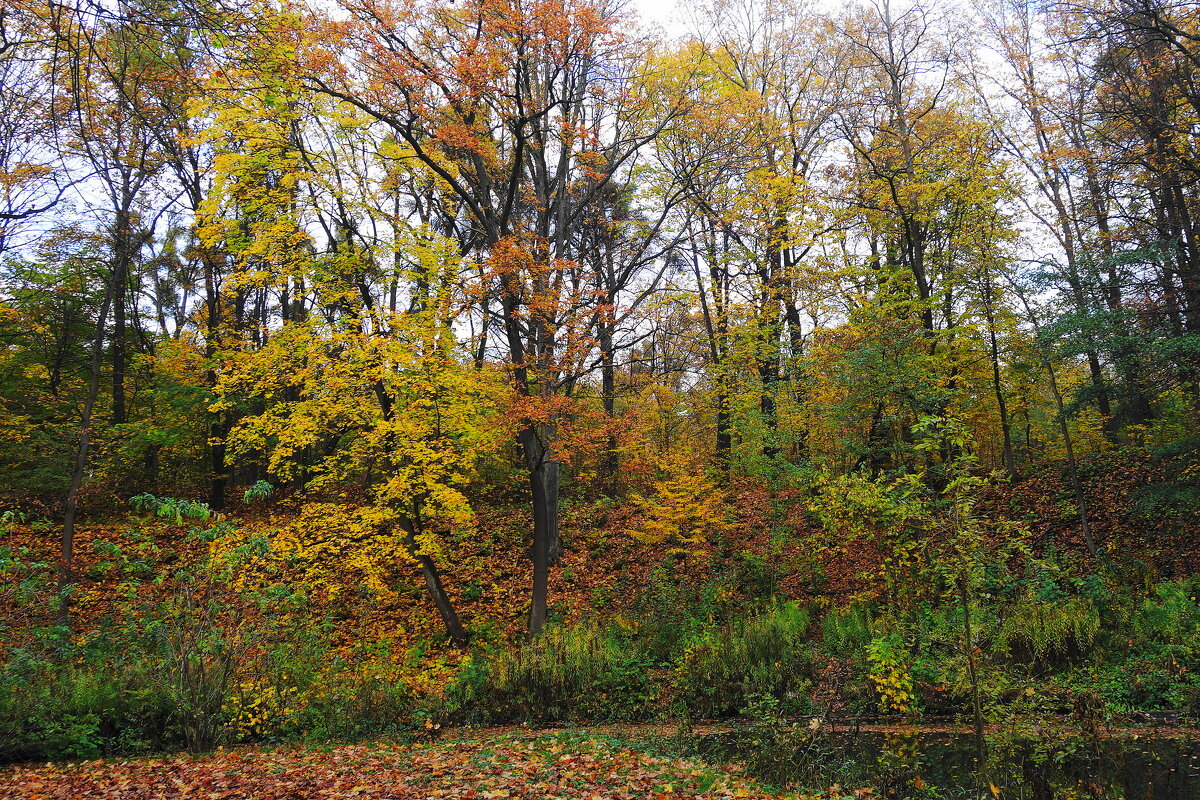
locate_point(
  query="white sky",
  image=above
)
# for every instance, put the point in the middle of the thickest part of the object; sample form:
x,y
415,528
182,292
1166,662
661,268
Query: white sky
x,y
664,13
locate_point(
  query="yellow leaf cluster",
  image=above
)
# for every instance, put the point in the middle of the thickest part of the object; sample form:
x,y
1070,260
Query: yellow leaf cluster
x,y
683,512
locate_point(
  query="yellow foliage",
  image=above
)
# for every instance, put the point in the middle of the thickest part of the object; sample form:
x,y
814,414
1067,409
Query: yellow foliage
x,y
683,511
1087,435
258,708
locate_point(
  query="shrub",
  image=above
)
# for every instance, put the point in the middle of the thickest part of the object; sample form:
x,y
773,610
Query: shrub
x,y
891,673
1149,683
1169,620
672,609
1048,633
81,703
762,656
585,671
846,631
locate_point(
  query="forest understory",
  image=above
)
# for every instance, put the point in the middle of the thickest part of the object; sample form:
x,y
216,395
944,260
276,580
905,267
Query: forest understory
x,y
264,626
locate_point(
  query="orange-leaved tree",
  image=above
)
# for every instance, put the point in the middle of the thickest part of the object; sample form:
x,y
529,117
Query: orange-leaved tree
x,y
523,115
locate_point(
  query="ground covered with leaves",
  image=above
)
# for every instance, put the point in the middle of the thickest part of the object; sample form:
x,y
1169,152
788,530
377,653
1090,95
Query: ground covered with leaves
x,y
506,766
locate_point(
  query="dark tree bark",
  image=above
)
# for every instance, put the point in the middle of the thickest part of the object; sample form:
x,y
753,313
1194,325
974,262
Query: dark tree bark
x,y
543,482
1010,466
433,583
66,576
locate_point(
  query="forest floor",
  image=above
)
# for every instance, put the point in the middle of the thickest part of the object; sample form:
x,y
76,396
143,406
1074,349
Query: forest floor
x,y
769,539
595,762
133,566
486,763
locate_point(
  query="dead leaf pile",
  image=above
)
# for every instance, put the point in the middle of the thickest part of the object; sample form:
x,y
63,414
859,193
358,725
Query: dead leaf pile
x,y
508,768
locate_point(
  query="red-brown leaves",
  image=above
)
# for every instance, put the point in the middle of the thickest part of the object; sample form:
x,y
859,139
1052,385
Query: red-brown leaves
x,y
509,766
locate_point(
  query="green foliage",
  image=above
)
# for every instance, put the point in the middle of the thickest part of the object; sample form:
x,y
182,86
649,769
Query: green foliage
x,y
1170,503
1153,682
98,698
259,490
579,672
1170,618
766,654
1049,632
49,300
756,576
1165,505
846,632
606,672
891,673
23,584
171,508
671,610
195,657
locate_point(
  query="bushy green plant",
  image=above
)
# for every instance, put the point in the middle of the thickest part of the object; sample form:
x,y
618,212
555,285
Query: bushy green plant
x,y
891,673
1169,619
756,576
1145,683
846,631
24,587
82,701
259,490
166,669
338,700
201,654
567,672
671,609
171,508
1049,632
764,655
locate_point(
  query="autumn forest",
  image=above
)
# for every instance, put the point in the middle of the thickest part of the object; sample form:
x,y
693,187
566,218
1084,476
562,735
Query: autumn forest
x,y
376,370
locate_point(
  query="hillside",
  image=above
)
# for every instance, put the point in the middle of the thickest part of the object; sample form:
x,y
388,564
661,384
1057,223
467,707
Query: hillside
x,y
293,626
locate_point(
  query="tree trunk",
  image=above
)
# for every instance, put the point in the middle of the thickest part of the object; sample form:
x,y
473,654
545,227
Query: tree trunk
x,y
1072,465
67,549
716,324
433,584
122,234
543,481
1095,373
769,329
994,352
218,427
609,459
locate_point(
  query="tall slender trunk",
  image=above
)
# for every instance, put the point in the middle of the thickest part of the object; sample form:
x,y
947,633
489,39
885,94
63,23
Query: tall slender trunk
x,y
914,248
66,575
536,440
1067,238
433,583
610,458
716,324
768,376
409,524
1063,429
1072,464
994,353
122,235
770,328
218,424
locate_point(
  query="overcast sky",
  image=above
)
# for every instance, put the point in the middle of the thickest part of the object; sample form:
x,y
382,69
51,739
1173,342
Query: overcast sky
x,y
661,12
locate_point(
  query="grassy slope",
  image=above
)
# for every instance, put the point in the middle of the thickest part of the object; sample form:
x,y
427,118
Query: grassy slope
x,y
768,541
